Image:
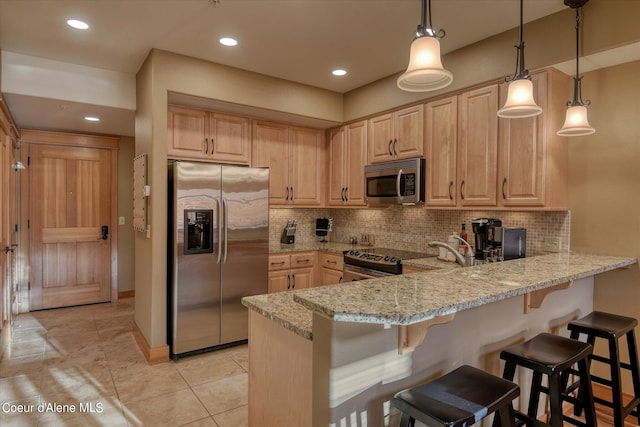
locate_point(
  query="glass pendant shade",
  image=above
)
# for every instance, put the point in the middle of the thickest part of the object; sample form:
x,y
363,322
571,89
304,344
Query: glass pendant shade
x,y
576,122
520,102
425,71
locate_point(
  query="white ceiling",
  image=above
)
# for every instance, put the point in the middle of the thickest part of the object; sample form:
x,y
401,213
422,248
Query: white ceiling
x,y
297,40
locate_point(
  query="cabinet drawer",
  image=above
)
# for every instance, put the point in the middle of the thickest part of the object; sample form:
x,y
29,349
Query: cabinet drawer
x,y
332,261
279,262
303,259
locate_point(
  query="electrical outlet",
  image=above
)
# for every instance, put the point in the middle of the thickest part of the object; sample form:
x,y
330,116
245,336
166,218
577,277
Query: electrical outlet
x,y
551,244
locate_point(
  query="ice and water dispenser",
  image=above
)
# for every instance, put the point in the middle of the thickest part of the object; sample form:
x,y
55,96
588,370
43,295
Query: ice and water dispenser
x,y
198,231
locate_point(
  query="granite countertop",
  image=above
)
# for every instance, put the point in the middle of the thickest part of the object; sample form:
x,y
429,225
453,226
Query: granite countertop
x,y
338,248
411,298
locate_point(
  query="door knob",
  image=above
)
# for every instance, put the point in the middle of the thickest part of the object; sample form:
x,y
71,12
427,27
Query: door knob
x,y
105,232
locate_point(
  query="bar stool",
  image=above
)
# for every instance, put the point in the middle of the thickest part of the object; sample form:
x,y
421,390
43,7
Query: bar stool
x,y
462,397
612,327
553,356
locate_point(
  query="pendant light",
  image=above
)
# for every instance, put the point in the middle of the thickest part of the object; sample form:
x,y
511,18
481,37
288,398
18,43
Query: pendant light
x,y
520,102
576,122
425,71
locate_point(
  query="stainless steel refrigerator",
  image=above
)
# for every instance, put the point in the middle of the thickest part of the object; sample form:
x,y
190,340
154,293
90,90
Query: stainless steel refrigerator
x,y
217,252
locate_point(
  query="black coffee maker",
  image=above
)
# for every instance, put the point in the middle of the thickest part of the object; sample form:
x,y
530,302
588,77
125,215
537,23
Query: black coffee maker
x,y
482,227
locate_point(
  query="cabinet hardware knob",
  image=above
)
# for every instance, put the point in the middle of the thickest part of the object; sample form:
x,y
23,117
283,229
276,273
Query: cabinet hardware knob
x,y
288,281
206,146
462,190
395,147
294,281
390,152
450,187
346,194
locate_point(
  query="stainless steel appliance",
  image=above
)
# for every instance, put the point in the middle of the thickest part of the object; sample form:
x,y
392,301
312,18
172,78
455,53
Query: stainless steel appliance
x,y
361,264
397,182
218,245
507,242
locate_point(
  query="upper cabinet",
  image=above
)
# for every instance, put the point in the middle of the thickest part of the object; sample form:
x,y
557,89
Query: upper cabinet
x,y
295,157
478,147
532,158
475,159
396,135
203,135
347,159
441,142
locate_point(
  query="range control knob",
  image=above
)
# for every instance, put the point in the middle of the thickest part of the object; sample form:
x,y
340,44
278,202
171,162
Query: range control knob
x,y
386,258
393,259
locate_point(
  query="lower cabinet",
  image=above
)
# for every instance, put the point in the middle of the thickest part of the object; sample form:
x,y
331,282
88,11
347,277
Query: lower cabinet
x,y
288,272
330,268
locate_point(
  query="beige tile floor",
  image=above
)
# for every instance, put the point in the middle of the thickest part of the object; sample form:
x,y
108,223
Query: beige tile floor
x,y
85,358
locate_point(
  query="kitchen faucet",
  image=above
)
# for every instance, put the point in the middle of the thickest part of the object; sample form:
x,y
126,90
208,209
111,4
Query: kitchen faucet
x,y
461,259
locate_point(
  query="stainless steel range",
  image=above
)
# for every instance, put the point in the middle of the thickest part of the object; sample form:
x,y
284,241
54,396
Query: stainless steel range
x,y
360,264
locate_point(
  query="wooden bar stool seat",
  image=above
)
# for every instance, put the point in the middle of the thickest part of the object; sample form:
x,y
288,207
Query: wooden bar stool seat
x,y
553,356
462,397
612,327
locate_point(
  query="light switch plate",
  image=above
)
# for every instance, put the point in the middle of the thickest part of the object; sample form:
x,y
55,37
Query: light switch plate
x,y
120,220
551,244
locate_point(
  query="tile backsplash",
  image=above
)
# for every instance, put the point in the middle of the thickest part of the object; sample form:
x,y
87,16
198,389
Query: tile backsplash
x,y
412,227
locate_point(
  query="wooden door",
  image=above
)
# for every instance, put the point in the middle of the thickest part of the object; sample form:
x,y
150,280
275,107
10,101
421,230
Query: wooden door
x,y
5,280
302,278
337,185
270,149
441,135
186,136
522,153
331,277
356,159
70,202
279,281
380,138
407,130
306,166
478,148
230,139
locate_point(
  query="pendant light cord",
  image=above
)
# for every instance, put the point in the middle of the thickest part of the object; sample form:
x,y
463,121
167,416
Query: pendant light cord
x,y
577,80
521,72
426,27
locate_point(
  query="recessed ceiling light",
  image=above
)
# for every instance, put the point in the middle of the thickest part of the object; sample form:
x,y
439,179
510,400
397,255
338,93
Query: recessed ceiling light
x,y
92,119
228,41
80,25
339,72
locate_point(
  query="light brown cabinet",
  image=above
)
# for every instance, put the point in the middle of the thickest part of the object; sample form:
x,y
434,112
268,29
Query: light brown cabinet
x,y
347,159
203,135
532,167
331,266
478,147
296,158
291,271
441,142
396,135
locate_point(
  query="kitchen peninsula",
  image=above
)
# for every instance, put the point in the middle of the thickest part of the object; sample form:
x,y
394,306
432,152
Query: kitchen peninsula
x,y
338,353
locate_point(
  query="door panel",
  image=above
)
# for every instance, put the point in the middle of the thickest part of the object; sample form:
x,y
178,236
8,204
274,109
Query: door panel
x,y
69,202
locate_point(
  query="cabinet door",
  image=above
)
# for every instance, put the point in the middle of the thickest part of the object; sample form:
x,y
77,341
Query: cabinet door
x,y
186,132
279,281
306,166
478,147
229,138
522,153
302,278
407,133
337,185
355,160
331,277
380,138
441,134
270,149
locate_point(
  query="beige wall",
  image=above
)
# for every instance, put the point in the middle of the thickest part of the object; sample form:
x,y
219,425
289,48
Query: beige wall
x,y
126,256
604,182
550,40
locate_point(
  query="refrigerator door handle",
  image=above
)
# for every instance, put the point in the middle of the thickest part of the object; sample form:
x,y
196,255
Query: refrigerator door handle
x,y
219,231
225,206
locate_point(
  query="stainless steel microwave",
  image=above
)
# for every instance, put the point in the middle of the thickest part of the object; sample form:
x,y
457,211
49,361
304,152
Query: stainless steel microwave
x,y
399,182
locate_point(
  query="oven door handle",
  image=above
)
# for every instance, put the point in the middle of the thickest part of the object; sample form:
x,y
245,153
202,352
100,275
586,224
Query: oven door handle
x,y
398,178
